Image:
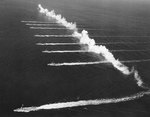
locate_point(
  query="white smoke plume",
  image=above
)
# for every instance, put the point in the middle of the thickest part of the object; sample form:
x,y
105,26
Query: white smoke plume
x,y
59,18
84,38
81,103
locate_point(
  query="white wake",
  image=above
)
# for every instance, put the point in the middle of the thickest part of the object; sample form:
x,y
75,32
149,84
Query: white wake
x,y
84,38
47,28
81,103
24,21
53,35
65,51
86,51
87,34
57,44
102,43
95,63
51,24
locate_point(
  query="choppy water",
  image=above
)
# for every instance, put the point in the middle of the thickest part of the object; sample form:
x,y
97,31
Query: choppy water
x,y
26,79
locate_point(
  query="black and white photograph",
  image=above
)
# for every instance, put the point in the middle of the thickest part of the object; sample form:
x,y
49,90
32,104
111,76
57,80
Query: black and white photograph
x,y
75,58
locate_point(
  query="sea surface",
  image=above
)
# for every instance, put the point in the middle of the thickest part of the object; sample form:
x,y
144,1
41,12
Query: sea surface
x,y
26,80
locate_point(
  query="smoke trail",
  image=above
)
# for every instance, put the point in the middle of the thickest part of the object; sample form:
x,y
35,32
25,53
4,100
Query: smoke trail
x,y
97,62
81,103
84,38
58,18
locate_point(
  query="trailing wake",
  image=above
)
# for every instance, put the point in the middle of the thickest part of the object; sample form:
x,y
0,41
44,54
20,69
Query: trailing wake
x,y
65,51
84,38
85,51
102,43
87,34
77,63
68,35
47,28
30,24
81,103
53,35
38,22
95,63
57,44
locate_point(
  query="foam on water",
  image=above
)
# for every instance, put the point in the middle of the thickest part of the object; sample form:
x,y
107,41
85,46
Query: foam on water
x,y
84,38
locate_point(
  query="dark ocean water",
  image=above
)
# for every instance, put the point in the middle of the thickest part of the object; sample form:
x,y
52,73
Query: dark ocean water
x,y
26,79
